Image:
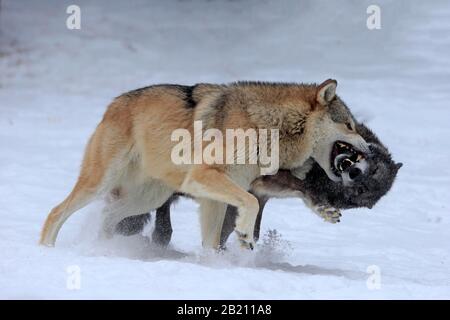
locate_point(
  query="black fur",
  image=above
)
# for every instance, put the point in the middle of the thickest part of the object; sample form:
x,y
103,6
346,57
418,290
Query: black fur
x,y
133,225
163,227
186,92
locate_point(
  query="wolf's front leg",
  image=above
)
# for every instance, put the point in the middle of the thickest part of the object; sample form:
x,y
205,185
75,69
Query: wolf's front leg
x,y
301,172
326,212
214,184
212,215
162,233
230,221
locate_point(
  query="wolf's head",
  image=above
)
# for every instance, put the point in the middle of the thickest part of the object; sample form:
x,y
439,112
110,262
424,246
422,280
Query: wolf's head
x,y
367,187
335,136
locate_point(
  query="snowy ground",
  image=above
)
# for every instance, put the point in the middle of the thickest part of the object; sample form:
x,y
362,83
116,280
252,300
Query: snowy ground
x,y
55,84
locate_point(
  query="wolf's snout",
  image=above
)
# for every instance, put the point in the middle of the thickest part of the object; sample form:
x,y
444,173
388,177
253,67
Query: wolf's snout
x,y
354,173
364,147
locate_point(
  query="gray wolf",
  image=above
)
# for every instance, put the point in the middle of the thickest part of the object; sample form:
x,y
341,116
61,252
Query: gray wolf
x,y
128,157
325,197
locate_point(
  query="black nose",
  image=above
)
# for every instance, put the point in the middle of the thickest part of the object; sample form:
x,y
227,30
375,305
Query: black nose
x,y
354,172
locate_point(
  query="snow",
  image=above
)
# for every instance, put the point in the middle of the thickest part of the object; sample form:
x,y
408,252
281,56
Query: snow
x,y
55,84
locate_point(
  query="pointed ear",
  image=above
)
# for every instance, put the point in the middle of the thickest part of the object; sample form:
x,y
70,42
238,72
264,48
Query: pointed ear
x,y
399,165
326,91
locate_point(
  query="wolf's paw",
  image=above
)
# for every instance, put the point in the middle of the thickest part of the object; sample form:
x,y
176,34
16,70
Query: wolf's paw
x,y
246,241
46,244
329,214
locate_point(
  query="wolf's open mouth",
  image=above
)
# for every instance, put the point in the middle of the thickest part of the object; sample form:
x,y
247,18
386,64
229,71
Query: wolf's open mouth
x,y
343,156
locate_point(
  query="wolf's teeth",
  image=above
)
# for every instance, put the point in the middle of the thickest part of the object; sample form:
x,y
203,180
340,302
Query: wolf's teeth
x,y
348,160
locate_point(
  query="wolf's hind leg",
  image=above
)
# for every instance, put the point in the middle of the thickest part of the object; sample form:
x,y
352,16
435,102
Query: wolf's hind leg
x,y
163,226
106,155
133,225
229,224
90,182
83,192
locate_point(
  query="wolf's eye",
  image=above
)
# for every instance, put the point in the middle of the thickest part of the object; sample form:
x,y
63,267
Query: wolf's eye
x,y
349,126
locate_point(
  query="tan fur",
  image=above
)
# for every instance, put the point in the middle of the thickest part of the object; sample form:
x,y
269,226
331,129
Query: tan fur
x,y
213,215
129,154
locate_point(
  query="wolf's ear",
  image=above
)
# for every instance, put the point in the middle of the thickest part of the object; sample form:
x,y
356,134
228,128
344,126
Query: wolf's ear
x,y
399,165
326,91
